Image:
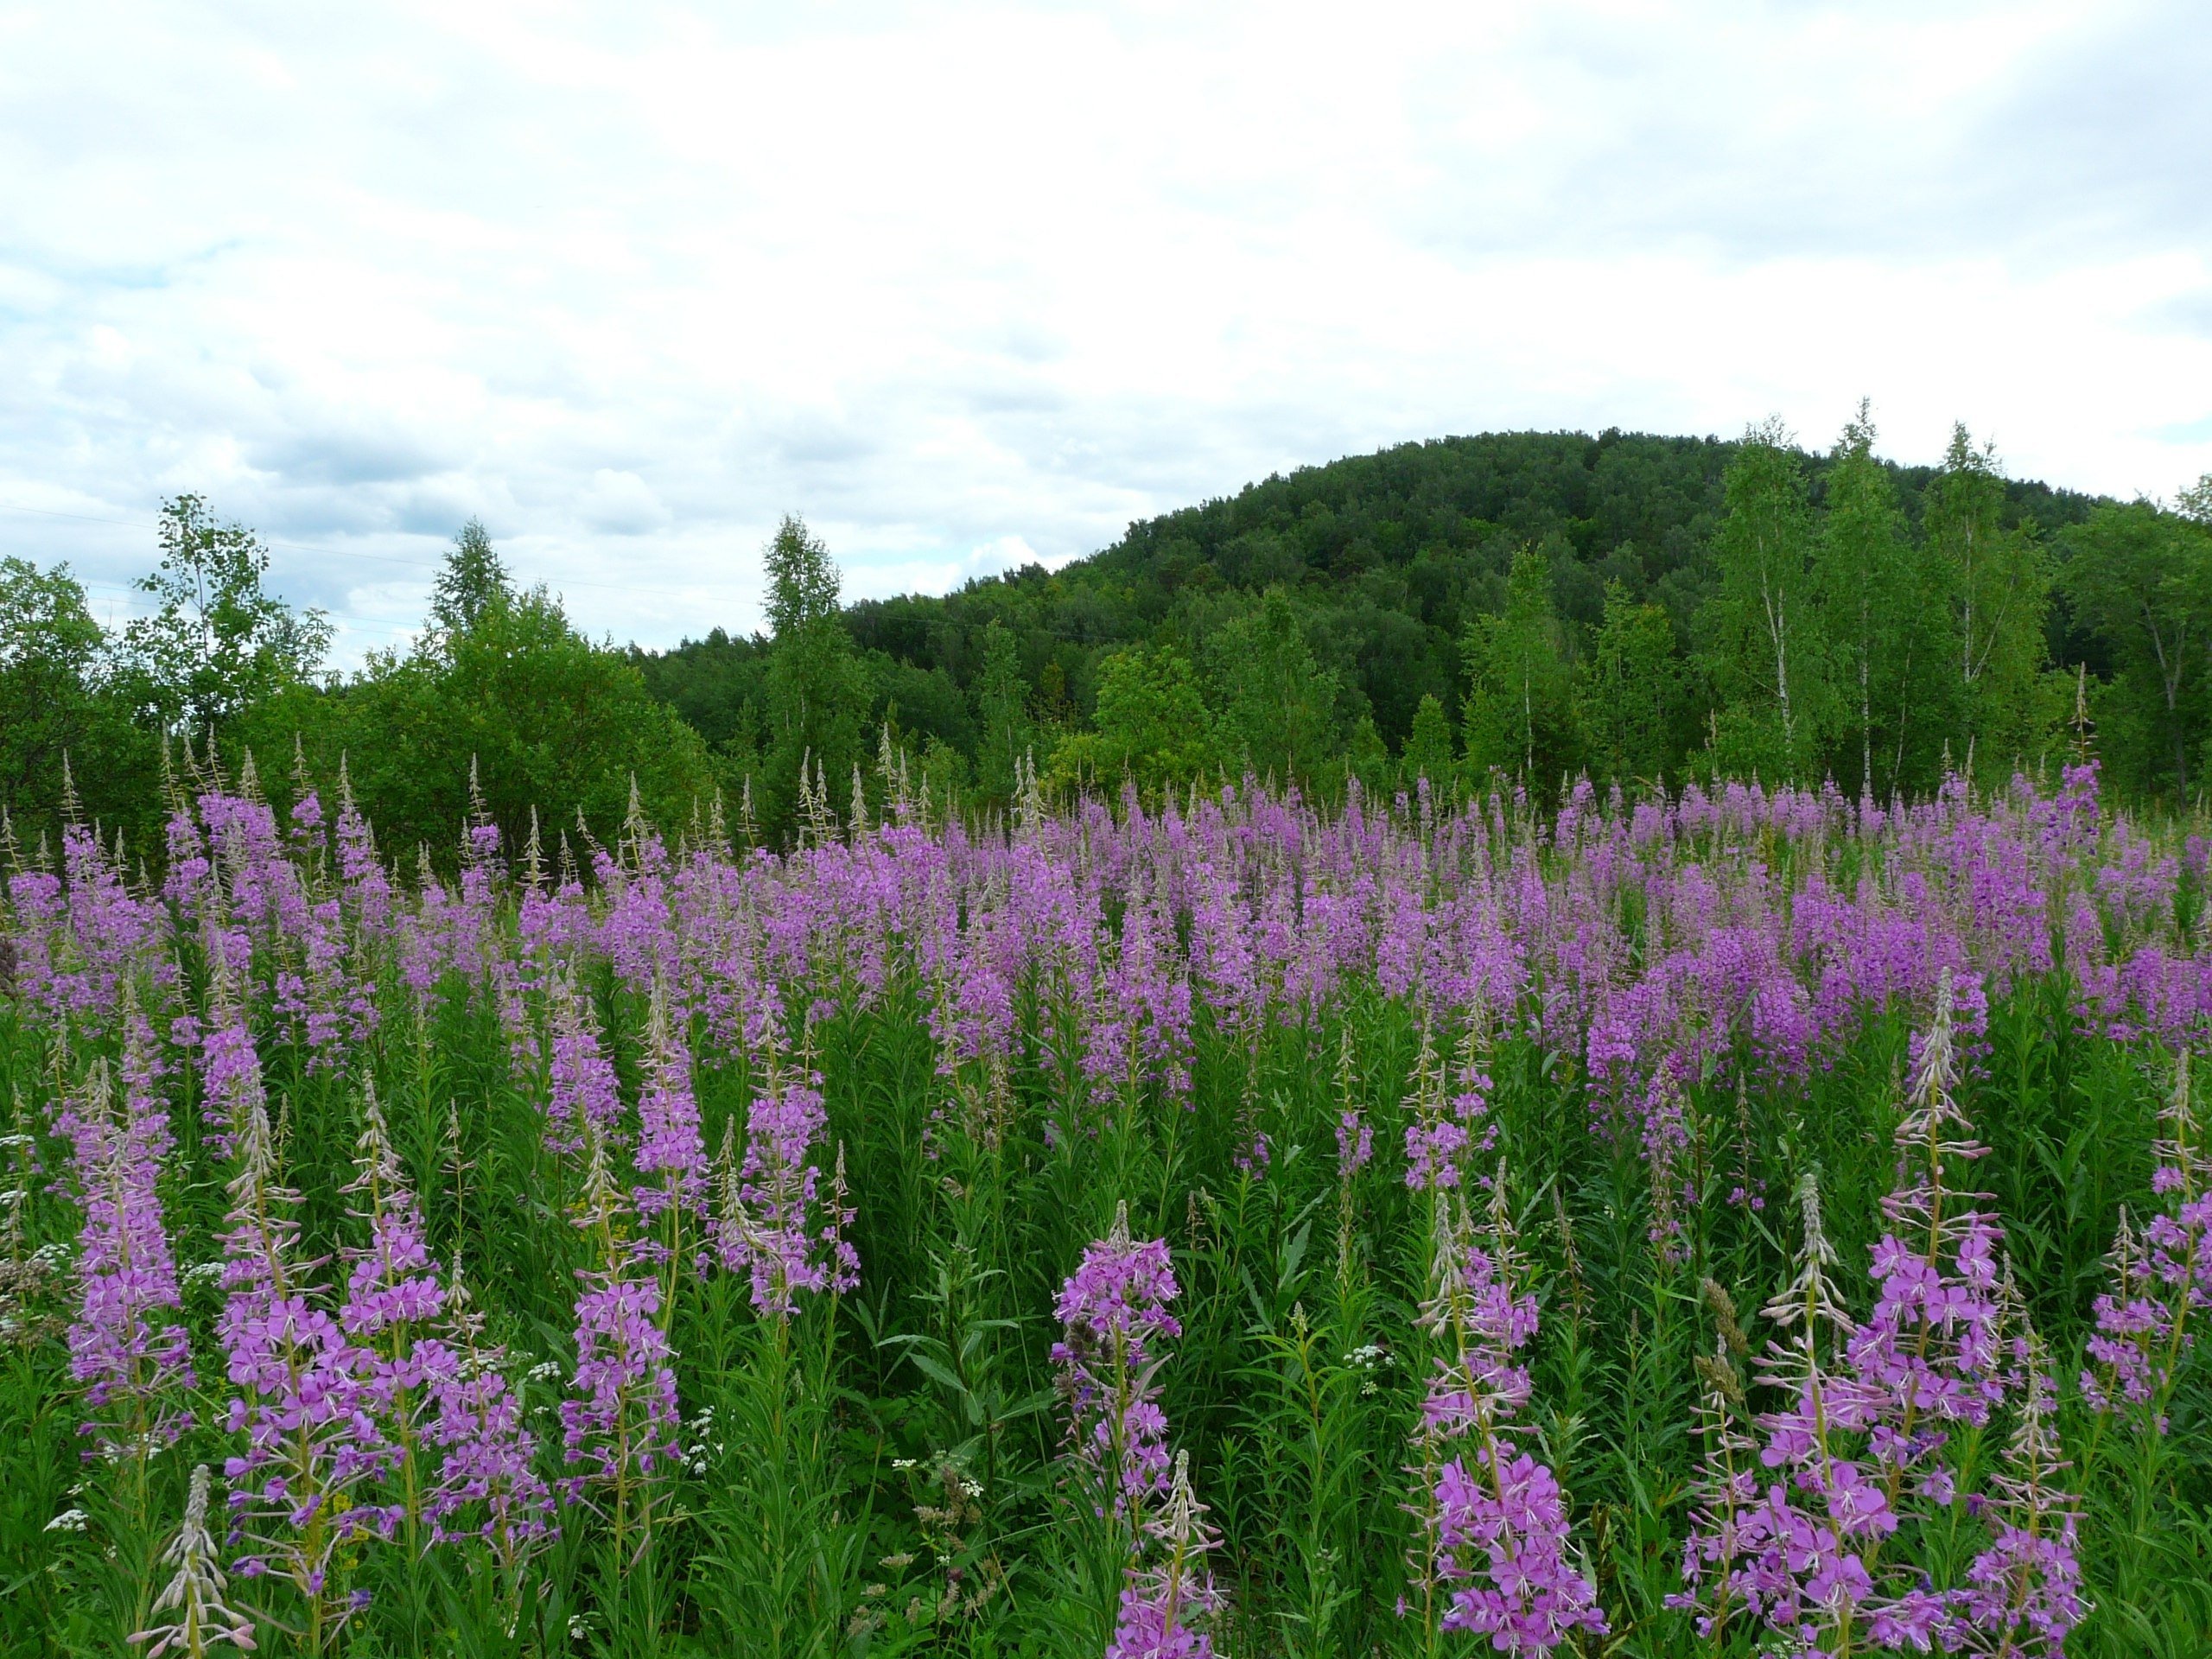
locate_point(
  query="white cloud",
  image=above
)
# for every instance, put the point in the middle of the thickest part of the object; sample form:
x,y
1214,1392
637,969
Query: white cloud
x,y
967,286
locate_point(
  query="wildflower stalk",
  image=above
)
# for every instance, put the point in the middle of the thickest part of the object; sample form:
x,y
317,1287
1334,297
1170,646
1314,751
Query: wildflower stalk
x,y
195,1594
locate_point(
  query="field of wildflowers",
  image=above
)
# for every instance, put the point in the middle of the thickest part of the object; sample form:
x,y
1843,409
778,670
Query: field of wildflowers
x,y
1754,1222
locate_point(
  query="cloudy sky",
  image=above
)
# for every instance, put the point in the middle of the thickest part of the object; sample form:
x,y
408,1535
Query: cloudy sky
x,y
967,286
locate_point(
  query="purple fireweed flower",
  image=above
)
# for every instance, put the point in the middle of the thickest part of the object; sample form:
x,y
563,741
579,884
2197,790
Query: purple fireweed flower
x,y
1928,1356
135,1367
366,886
230,1065
1170,1597
582,1095
1355,1142
2161,1280
670,1153
431,1384
2023,1594
1801,1569
1729,1484
620,1428
2134,1325
392,1287
1502,1538
488,1487
1435,1139
1823,1554
771,1221
1112,1310
303,1408
1493,1522
1141,1026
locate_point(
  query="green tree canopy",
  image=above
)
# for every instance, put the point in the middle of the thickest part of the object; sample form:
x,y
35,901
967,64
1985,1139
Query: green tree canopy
x,y
546,719
1520,703
1998,580
1428,752
816,687
473,582
1888,620
2140,580
1629,699
218,641
1151,724
54,708
1002,707
1765,652
1278,707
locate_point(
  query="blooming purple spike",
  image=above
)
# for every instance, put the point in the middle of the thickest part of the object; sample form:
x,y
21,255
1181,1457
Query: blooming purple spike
x,y
136,1367
1112,1309
1494,1523
1170,1597
303,1409
2161,1283
621,1429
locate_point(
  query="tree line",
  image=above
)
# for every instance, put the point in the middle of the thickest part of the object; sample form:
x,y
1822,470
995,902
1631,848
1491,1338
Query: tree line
x,y
501,705
1517,608
1531,608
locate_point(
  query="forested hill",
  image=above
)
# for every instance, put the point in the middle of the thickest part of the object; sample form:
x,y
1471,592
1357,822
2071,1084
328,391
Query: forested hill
x,y
1395,572
1525,607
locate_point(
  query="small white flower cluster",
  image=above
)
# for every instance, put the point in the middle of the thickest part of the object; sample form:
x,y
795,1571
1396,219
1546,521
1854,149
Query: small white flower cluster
x,y
1369,1358
203,1273
703,1446
70,1520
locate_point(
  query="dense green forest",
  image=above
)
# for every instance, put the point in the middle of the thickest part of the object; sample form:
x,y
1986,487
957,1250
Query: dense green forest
x,y
1525,606
1544,605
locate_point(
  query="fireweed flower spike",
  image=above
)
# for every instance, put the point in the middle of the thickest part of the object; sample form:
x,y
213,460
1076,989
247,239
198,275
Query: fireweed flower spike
x,y
671,1154
770,1229
1802,1569
304,1406
1824,1557
1112,1309
1169,1600
1730,1482
1927,1359
393,1283
134,1366
194,1595
621,1431
582,1096
428,1385
2161,1280
1495,1519
2023,1594
488,1485
1435,1138
2131,1326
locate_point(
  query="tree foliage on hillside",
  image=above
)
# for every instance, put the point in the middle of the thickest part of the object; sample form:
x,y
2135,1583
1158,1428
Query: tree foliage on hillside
x,y
1520,607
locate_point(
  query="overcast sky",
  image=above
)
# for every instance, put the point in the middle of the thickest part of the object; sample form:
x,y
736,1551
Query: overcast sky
x,y
969,286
